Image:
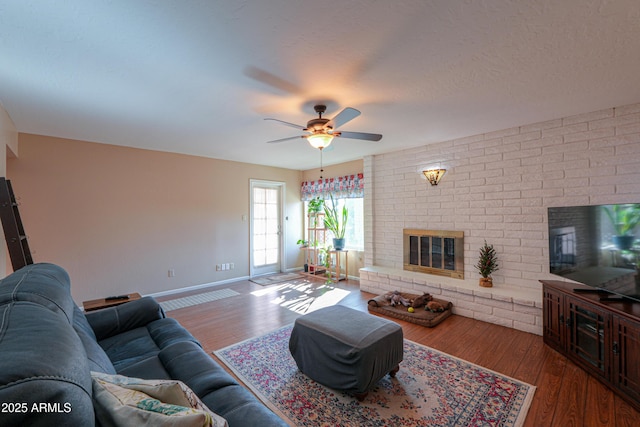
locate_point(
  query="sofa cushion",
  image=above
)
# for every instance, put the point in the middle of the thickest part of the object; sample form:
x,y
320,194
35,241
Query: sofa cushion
x,y
42,361
44,284
121,318
124,401
98,359
218,390
136,345
148,369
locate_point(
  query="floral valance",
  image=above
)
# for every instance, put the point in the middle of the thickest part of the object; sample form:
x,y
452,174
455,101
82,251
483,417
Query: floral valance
x,y
341,187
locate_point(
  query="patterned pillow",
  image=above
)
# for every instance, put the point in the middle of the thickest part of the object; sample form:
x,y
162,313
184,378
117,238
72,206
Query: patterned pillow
x,y
125,401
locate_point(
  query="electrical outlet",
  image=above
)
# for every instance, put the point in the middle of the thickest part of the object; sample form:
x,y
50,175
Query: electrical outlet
x,y
171,273
218,267
226,266
232,265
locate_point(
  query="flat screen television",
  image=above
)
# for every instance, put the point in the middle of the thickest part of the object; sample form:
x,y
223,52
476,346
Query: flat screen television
x,y
598,246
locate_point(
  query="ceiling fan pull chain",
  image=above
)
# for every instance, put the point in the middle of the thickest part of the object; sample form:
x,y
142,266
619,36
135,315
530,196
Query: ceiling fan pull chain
x,y
321,170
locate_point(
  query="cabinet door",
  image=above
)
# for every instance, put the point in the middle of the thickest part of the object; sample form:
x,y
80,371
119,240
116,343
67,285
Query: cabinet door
x,y
626,349
588,340
553,322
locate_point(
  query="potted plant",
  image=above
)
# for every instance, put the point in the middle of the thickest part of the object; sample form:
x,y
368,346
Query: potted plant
x,y
304,244
336,222
487,264
624,219
314,206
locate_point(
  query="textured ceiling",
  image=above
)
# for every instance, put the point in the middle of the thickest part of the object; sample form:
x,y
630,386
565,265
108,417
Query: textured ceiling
x,y
199,77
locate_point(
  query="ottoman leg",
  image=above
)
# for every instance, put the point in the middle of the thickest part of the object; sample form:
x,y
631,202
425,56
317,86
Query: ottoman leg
x,y
394,371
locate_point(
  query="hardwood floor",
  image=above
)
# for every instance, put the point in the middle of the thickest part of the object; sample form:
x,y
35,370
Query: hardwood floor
x,y
566,395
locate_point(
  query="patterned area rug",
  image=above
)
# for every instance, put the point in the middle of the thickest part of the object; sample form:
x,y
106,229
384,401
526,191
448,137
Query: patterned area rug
x,y
177,303
431,389
275,278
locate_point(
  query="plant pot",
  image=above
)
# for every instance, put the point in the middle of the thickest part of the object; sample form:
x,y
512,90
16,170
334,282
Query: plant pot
x,y
624,243
486,282
306,268
338,244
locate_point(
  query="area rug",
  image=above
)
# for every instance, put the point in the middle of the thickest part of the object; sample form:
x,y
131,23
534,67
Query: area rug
x,y
275,278
183,302
431,389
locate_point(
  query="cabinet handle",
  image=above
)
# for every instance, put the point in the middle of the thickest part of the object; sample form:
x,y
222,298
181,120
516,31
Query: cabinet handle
x,y
562,318
568,322
616,350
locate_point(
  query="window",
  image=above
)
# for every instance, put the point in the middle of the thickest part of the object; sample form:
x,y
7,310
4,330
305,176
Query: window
x,y
354,236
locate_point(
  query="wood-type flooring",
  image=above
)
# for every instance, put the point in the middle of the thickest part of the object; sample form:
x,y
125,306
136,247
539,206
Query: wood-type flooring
x,y
566,395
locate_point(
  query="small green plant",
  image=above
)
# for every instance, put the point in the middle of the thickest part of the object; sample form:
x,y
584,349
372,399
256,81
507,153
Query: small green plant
x,y
315,205
334,221
624,218
303,243
488,260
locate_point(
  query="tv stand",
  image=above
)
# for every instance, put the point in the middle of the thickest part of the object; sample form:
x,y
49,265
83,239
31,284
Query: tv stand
x,y
598,332
590,291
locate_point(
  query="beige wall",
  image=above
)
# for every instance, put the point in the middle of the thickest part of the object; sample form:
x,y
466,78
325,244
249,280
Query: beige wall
x,y
356,258
119,218
341,169
8,148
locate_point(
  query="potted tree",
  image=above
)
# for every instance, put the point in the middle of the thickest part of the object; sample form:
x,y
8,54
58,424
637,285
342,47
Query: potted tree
x,y
336,222
624,219
487,264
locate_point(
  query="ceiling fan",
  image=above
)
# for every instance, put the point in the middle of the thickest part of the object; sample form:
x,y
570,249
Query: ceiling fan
x,y
321,131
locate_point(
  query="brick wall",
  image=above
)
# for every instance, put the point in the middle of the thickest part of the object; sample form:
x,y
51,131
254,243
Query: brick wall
x,y
498,186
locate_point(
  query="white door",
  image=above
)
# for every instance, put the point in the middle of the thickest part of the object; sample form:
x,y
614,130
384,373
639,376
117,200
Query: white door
x,y
266,227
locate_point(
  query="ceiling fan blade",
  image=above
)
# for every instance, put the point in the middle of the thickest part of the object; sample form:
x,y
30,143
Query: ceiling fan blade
x,y
293,125
285,139
360,135
272,80
343,117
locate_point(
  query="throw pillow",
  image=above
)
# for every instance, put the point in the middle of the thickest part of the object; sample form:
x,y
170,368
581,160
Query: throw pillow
x,y
124,401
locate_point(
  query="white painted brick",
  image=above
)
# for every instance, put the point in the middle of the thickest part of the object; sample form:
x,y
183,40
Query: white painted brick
x,y
516,186
587,117
462,312
627,109
550,124
615,121
475,307
564,130
510,314
493,319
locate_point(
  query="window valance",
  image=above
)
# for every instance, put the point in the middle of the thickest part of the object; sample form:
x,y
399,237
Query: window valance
x,y
341,187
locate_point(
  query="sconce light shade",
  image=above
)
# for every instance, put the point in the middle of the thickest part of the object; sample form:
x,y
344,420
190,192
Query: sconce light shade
x,y
320,140
434,175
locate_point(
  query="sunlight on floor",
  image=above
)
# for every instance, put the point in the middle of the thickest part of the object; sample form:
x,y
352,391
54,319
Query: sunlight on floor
x,y
303,297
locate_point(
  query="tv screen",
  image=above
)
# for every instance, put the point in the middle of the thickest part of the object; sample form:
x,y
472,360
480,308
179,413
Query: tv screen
x,y
597,246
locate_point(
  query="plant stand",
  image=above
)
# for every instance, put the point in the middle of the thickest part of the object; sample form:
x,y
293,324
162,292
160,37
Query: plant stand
x,y
316,241
335,269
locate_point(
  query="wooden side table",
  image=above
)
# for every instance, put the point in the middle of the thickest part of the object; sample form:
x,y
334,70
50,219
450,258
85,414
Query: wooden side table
x,y
97,304
338,271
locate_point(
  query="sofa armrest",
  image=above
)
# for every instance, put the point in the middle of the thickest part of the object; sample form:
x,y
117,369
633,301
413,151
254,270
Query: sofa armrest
x,y
121,318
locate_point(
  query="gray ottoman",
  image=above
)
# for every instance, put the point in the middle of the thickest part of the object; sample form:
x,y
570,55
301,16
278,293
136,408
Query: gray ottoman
x,y
346,349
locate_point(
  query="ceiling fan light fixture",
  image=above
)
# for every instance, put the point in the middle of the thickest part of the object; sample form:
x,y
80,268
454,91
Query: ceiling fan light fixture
x,y
320,140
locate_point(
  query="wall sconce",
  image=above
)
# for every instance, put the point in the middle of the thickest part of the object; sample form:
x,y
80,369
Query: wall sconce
x,y
434,175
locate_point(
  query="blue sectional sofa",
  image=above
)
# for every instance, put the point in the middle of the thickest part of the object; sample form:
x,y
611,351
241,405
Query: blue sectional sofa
x,y
48,348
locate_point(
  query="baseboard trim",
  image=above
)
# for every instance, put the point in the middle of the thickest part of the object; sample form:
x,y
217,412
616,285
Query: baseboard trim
x,y
196,287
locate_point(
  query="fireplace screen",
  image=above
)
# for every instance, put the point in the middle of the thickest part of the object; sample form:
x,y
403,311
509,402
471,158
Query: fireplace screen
x,y
435,252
